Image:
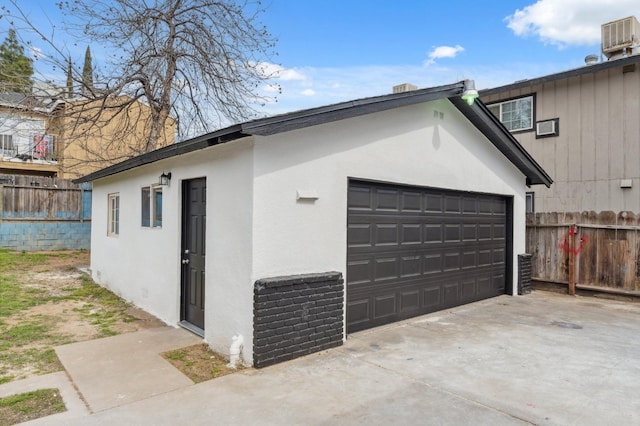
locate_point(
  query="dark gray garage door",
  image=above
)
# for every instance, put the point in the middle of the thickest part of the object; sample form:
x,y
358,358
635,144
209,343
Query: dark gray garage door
x,y
414,250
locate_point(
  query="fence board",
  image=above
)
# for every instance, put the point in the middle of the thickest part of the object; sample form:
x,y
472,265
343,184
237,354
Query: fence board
x,y
34,197
607,249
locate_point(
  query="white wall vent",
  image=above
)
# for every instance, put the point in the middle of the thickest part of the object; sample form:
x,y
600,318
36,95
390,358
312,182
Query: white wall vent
x,y
404,87
547,128
620,35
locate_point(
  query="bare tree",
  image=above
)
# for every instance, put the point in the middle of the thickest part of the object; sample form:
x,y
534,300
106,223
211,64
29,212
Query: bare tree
x,y
191,65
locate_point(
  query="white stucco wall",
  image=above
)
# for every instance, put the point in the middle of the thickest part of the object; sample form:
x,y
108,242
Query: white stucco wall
x,y
255,226
143,264
407,145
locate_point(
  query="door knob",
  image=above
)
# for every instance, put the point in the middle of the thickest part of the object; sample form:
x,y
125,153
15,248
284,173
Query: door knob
x,y
186,251
185,261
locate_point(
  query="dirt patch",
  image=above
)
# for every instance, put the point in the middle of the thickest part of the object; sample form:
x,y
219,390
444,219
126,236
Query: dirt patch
x,y
199,362
30,405
46,302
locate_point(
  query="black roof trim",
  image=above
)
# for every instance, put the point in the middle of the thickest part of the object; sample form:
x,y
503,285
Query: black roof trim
x,y
221,136
562,75
489,125
350,109
478,114
282,123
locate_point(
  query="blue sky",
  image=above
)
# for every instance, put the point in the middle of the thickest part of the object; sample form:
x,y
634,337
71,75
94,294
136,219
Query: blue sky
x,y
336,50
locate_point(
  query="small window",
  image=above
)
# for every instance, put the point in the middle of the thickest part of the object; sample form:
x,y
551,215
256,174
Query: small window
x,y
530,202
151,210
113,220
515,114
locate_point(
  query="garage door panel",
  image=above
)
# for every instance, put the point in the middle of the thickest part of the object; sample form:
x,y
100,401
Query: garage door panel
x,y
359,234
452,204
416,250
384,306
386,234
360,271
409,301
410,234
451,261
433,263
385,269
450,295
431,299
468,290
410,266
358,312
411,201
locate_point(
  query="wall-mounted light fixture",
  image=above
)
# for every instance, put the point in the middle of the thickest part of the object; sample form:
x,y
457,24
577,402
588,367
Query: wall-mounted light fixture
x,y
470,93
165,178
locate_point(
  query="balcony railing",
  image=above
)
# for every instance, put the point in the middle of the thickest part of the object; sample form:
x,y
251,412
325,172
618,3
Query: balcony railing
x,y
40,147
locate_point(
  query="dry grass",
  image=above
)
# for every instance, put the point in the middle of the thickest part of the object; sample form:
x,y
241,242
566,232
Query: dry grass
x,y
199,362
29,406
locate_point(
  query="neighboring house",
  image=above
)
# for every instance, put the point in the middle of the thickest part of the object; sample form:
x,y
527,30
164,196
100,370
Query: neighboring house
x,y
120,134
38,138
317,223
25,145
583,126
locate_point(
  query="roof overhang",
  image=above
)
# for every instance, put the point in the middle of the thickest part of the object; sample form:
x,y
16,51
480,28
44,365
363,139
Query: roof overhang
x,y
587,69
477,114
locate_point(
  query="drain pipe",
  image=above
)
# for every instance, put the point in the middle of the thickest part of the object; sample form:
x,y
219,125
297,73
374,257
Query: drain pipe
x,y
234,351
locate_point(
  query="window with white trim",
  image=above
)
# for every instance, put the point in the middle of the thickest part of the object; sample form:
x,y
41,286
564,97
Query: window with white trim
x,y
151,207
113,215
515,114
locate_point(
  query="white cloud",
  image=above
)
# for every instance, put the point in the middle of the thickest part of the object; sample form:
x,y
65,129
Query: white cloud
x,y
569,22
279,72
440,52
333,85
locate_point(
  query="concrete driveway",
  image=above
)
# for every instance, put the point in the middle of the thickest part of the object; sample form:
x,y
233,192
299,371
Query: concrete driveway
x,y
538,359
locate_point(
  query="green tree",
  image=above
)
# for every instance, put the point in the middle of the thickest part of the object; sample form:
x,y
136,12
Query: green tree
x,y
87,73
16,69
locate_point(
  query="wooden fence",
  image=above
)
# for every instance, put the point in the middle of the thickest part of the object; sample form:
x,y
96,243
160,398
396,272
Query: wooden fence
x,y
41,213
593,251
34,197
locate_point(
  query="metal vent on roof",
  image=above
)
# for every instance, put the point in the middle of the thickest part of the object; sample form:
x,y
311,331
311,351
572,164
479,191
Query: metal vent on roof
x,y
404,87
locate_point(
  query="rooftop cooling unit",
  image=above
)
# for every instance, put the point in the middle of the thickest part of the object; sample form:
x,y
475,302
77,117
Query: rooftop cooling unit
x,y
617,36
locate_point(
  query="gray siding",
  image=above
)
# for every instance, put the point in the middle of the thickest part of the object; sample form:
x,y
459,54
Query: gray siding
x,y
598,145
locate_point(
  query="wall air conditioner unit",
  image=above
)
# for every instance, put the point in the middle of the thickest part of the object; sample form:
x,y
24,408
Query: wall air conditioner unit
x,y
547,128
620,35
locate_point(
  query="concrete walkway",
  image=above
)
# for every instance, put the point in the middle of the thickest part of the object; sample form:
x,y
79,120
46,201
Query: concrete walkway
x,y
539,359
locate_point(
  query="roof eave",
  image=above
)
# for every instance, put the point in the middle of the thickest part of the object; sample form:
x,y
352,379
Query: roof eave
x,y
222,136
480,116
587,69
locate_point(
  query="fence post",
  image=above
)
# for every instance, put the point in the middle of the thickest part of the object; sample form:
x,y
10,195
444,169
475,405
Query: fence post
x,y
1,202
572,259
